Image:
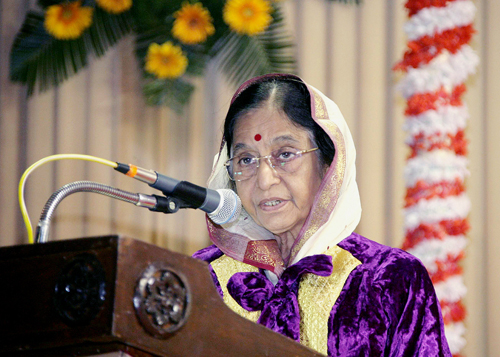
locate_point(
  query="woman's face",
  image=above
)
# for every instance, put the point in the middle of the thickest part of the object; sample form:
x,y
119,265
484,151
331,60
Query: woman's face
x,y
279,202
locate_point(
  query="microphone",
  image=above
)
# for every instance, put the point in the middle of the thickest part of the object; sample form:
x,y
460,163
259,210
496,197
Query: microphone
x,y
222,206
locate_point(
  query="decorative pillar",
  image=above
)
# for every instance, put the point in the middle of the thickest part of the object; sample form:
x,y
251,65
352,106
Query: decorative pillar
x,y
437,62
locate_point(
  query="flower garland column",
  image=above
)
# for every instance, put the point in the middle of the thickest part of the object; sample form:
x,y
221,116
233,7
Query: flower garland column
x,y
437,62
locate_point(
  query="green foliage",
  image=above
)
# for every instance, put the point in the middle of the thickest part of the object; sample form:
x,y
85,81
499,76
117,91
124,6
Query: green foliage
x,y
243,57
174,93
38,59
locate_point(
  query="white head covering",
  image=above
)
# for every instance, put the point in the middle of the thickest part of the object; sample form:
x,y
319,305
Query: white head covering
x,y
336,209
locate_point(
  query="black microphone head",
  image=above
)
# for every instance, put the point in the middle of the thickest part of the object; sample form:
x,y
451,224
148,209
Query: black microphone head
x,y
229,208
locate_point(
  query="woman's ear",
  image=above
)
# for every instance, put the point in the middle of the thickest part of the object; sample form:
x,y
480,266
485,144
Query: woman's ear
x,y
324,170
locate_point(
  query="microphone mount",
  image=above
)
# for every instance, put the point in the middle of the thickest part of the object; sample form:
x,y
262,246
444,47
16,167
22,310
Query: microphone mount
x,y
154,203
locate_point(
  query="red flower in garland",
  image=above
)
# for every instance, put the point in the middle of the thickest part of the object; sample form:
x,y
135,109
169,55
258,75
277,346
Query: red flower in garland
x,y
422,143
423,50
425,190
416,6
435,231
453,311
447,268
420,103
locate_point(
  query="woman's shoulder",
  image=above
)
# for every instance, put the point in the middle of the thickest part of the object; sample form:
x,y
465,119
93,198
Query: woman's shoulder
x,y
368,251
384,262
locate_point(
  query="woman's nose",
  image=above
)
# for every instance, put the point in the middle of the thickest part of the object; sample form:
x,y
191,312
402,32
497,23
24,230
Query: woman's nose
x,y
267,175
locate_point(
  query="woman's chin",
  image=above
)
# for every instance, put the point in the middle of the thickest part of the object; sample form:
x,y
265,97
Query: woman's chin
x,y
279,219
280,227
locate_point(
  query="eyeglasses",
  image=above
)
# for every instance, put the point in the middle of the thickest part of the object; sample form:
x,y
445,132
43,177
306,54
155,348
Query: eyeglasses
x,y
284,160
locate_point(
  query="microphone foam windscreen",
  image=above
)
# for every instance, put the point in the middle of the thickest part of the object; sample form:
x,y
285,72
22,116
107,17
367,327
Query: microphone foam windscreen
x,y
229,208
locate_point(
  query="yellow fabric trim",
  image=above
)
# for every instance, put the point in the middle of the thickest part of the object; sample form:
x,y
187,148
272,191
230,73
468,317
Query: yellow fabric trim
x,y
225,267
318,294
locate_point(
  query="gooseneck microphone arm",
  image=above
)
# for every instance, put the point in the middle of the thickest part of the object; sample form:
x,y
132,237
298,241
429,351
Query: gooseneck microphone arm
x,y
151,202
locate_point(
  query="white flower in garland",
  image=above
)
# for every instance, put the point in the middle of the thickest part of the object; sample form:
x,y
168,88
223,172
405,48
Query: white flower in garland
x,y
433,250
446,70
452,289
434,167
454,335
438,19
436,210
446,119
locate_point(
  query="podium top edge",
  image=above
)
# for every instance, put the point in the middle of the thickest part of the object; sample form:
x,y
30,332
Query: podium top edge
x,y
51,247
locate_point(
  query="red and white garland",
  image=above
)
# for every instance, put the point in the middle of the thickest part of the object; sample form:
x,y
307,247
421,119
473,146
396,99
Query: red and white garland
x,y
436,64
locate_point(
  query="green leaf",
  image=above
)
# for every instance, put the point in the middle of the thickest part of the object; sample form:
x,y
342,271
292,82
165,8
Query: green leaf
x,y
174,93
154,14
38,58
145,37
46,3
107,29
243,57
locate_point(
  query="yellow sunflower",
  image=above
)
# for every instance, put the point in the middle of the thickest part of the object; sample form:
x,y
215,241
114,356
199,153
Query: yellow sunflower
x,y
68,20
193,24
247,17
115,6
166,61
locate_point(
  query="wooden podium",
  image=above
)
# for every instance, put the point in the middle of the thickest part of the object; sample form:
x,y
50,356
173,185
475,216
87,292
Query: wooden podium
x,y
115,296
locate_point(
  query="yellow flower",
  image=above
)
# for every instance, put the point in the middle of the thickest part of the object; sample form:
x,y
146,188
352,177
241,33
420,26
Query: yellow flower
x,y
193,24
247,17
166,61
68,20
115,6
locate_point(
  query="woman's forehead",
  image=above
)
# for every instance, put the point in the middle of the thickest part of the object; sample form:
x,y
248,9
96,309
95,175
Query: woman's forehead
x,y
267,125
280,140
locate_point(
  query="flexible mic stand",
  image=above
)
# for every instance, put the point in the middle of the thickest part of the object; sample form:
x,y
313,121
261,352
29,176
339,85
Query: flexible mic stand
x,y
154,203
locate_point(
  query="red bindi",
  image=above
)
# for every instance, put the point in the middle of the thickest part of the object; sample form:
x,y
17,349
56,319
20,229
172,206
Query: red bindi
x,y
257,137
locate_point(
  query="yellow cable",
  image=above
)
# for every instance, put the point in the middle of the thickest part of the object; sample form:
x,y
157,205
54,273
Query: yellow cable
x,y
26,173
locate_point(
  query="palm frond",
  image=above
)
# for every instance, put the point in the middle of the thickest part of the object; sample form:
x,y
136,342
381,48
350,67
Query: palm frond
x,y
145,37
107,29
35,54
174,93
37,57
243,57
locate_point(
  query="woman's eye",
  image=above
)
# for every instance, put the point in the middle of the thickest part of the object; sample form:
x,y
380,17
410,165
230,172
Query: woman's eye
x,y
286,155
245,161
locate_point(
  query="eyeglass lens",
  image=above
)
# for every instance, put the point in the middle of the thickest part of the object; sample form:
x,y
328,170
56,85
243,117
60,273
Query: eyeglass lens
x,y
244,166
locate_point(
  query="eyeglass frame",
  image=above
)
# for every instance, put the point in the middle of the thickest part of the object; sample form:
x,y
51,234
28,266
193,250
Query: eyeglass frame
x,y
268,158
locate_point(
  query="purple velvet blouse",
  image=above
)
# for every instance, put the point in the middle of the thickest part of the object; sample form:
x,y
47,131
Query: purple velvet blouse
x,y
387,307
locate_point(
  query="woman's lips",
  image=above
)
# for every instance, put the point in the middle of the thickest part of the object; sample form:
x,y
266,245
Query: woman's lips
x,y
272,204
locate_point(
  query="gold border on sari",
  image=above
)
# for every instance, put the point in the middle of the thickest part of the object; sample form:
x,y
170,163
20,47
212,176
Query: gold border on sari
x,y
330,192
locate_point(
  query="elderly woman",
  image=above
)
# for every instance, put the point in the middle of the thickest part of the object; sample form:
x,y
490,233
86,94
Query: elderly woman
x,y
291,261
